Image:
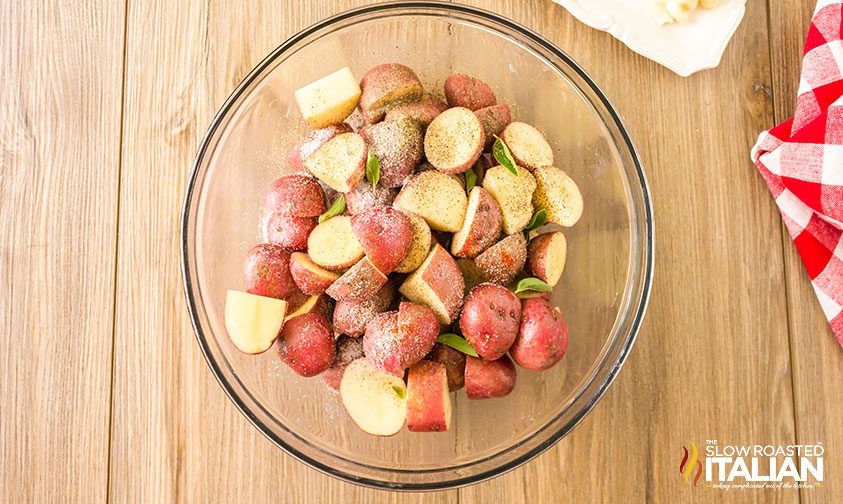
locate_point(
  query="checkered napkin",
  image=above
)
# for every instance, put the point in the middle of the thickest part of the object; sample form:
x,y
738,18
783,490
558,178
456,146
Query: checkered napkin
x,y
802,162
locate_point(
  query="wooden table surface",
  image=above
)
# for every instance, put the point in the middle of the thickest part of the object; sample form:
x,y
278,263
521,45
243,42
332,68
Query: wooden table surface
x,y
104,394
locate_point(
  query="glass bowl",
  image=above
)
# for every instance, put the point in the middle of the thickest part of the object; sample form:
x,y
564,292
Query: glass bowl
x,y
603,291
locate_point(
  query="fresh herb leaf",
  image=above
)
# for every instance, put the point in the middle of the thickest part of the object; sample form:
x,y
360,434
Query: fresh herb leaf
x,y
337,207
503,156
399,391
470,180
373,170
531,285
536,222
457,342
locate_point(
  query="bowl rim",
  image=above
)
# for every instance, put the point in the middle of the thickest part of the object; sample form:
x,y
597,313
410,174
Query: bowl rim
x,y
637,313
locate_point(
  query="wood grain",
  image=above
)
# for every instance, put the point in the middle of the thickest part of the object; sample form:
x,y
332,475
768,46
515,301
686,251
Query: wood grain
x,y
817,358
60,92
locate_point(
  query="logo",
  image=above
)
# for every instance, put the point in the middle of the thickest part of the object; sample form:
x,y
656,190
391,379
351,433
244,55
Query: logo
x,y
691,466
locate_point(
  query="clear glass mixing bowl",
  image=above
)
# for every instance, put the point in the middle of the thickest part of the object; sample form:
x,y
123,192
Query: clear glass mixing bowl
x,y
603,292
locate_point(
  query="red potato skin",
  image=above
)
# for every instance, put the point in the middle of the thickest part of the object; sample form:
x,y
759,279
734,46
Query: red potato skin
x,y
266,272
504,260
351,317
487,379
295,195
362,197
454,362
385,234
379,342
444,276
427,384
490,320
543,337
323,306
313,140
398,145
422,111
295,299
348,350
288,231
395,341
465,91
494,119
307,344
537,256
382,80
485,228
307,281
359,283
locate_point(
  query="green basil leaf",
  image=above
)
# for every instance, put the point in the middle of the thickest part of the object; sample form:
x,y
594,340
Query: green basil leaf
x,y
470,180
503,156
457,342
531,285
373,170
537,221
337,207
399,391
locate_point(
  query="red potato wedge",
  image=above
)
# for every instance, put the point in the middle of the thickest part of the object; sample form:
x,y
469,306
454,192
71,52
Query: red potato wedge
x,y
332,244
490,320
385,234
471,274
311,143
363,196
398,146
454,362
360,282
514,195
307,344
437,284
546,255
385,86
423,111
543,337
494,119
286,231
428,398
395,341
319,303
435,197
487,379
328,100
374,399
296,195
559,195
310,278
466,91
266,271
528,145
348,350
422,238
340,163
482,225
351,317
253,322
454,140
503,260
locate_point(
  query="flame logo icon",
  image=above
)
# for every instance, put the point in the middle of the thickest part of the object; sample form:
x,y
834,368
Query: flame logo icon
x,y
691,462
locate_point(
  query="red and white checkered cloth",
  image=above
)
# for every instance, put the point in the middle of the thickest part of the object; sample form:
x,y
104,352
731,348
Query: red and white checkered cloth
x,y
802,162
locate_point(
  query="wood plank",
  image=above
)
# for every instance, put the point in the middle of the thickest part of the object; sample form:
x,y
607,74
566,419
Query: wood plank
x,y
817,358
59,159
176,436
712,361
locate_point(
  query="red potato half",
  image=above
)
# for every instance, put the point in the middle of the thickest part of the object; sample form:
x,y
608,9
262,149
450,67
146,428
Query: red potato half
x,y
266,271
487,379
332,244
546,257
310,278
385,234
296,195
490,319
423,111
527,145
454,362
501,262
374,399
482,225
363,197
466,91
514,195
422,238
352,317
385,86
329,100
288,231
437,284
437,198
398,146
543,337
494,119
307,344
311,143
454,140
428,398
360,282
340,163
559,195
395,341
348,350
253,322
